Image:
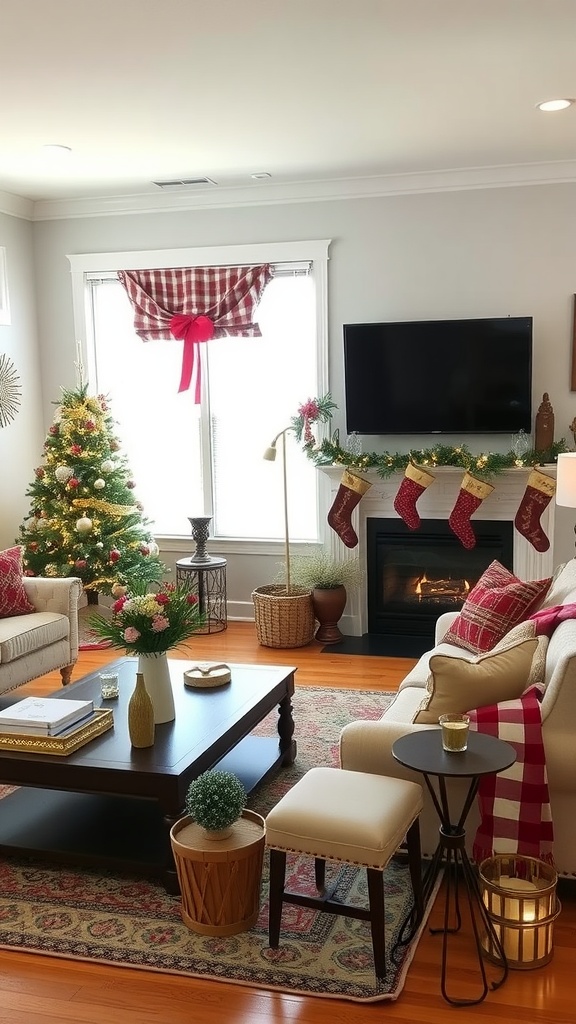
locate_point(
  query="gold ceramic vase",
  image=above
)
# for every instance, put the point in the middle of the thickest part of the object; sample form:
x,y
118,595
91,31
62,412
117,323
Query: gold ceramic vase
x,y
141,715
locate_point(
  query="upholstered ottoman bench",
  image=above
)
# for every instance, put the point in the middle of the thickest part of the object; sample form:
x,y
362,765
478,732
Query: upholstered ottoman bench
x,y
351,817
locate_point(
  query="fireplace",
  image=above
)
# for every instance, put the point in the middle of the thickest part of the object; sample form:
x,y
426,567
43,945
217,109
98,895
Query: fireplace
x,y
436,504
415,576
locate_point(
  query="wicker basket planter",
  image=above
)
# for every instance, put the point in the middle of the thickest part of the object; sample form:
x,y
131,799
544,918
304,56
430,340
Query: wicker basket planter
x,y
220,879
283,620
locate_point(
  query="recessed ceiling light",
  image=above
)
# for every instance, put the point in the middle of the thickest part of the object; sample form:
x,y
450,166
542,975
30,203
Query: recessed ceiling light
x,y
261,174
555,104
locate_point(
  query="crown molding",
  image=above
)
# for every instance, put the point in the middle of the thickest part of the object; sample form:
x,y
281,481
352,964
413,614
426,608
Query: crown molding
x,y
16,206
465,179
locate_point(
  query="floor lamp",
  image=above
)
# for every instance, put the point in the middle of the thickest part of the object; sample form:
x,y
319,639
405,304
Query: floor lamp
x,y
566,480
270,456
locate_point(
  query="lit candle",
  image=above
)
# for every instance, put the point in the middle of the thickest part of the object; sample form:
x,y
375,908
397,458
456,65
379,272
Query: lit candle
x,y
518,909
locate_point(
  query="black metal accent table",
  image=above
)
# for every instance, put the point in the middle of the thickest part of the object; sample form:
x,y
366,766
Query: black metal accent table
x,y
422,751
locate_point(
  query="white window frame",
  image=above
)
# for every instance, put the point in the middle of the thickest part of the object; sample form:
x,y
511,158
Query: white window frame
x,y
314,251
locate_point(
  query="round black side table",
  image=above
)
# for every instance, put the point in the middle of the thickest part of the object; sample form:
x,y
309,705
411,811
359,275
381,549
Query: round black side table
x,y
486,755
208,582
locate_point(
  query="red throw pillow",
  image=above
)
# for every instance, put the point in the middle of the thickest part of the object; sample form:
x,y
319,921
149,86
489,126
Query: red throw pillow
x,y
13,599
497,603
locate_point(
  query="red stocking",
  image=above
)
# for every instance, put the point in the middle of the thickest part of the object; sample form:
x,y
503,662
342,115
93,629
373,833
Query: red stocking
x,y
471,496
539,491
413,485
351,490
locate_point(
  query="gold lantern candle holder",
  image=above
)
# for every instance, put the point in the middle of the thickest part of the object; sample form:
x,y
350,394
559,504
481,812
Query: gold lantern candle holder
x,y
519,894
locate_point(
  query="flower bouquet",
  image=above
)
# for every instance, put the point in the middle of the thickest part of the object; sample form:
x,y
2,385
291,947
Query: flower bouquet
x,y
150,623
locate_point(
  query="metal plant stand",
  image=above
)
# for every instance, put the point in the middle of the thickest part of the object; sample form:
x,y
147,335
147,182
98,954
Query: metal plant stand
x,y
206,577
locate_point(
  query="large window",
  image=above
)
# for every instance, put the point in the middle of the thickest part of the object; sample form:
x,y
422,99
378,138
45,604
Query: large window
x,y
207,460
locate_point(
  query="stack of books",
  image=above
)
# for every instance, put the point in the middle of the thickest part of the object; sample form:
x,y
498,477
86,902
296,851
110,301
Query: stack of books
x,y
45,716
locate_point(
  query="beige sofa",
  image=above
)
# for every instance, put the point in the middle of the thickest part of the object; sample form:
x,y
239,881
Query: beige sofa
x,y
45,639
366,746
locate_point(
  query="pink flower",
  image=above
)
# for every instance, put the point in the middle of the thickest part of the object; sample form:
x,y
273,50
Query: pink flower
x,y
131,635
309,410
160,623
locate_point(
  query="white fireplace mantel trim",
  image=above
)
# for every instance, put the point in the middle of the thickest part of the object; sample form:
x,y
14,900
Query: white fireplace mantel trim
x,y
437,502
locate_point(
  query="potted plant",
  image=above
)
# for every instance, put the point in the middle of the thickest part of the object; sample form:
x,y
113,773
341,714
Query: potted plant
x,y
329,578
218,849
216,800
149,625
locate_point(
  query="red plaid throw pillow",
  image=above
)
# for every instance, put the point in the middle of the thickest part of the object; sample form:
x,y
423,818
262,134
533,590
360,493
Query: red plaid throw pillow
x,y
13,599
495,604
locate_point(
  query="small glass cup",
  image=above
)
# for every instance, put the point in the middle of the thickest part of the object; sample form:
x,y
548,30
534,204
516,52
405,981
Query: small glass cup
x,y
109,688
454,732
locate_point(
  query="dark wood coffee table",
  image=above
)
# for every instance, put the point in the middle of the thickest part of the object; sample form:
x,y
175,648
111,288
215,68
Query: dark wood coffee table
x,y
109,804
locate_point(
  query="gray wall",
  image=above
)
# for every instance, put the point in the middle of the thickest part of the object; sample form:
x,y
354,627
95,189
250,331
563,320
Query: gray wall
x,y
21,440
489,252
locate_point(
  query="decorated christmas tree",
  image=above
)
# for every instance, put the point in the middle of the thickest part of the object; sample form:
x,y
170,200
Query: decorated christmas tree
x,y
84,520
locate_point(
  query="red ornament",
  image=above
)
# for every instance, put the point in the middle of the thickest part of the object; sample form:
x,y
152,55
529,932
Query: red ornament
x,y
75,449
192,599
73,483
130,484
39,472
114,555
90,425
53,430
162,599
80,563
33,546
144,550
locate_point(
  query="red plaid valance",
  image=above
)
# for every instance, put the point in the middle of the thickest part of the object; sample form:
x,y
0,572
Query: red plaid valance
x,y
195,304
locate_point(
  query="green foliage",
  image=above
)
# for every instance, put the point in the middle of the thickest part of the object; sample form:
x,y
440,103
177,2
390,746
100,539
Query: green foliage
x,y
215,799
324,572
84,519
330,453
151,623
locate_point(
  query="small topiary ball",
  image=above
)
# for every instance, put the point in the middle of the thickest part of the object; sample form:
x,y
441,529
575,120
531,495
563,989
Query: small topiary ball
x,y
215,799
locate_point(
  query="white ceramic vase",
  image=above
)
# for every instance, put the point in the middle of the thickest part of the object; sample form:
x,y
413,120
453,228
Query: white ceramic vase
x,y
154,668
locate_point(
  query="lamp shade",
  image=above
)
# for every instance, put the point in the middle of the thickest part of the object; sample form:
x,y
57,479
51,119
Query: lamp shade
x,y
566,480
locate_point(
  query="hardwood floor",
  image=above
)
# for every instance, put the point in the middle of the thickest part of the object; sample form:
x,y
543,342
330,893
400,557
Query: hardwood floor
x,y
44,990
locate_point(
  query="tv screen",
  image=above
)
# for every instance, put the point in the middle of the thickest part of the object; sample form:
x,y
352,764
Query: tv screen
x,y
439,376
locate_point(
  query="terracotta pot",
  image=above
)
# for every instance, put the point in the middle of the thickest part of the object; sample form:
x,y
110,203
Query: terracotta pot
x,y
328,607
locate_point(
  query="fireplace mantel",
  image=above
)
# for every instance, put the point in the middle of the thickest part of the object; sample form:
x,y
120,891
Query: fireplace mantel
x,y
437,502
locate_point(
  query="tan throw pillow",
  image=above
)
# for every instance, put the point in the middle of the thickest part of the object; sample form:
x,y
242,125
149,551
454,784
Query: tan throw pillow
x,y
527,631
456,685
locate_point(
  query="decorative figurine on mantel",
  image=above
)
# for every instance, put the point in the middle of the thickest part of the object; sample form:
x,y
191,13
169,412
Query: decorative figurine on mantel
x,y
544,425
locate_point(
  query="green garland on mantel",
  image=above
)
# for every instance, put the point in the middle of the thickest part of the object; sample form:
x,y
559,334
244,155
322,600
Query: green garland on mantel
x,y
329,452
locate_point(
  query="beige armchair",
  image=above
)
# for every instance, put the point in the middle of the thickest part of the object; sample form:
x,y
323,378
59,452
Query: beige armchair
x,y
45,639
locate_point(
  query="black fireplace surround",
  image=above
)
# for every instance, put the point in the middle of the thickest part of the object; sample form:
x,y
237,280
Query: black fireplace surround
x,y
414,576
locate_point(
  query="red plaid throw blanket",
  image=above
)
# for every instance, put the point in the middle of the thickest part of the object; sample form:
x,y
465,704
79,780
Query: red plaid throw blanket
x,y
514,805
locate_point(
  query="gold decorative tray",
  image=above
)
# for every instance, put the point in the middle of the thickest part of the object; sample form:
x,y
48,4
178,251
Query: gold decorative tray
x,y
102,721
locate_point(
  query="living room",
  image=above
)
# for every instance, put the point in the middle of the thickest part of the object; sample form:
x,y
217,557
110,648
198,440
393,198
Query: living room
x,y
459,234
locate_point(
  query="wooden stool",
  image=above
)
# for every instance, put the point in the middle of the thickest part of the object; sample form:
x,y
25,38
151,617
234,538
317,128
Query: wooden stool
x,y
354,818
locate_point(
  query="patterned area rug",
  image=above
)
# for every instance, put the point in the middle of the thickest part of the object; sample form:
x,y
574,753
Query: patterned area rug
x,y
105,917
87,639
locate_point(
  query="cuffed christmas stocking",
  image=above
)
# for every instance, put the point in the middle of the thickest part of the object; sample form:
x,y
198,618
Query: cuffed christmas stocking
x,y
471,496
351,490
538,494
413,485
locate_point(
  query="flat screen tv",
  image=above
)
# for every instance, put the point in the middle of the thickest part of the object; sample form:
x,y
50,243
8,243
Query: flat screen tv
x,y
439,376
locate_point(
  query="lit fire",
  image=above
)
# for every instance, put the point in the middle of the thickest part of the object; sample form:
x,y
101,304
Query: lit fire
x,y
441,590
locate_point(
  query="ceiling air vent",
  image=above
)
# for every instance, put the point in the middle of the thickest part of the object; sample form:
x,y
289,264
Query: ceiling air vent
x,y
176,183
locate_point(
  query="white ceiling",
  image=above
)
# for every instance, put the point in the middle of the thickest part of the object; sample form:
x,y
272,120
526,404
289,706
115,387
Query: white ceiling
x,y
307,90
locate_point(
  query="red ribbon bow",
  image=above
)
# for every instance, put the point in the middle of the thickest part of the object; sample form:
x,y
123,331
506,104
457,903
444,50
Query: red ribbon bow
x,y
193,329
